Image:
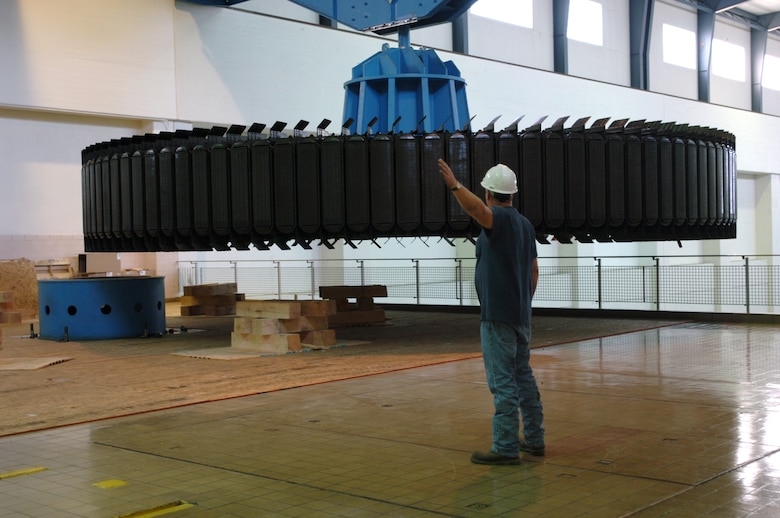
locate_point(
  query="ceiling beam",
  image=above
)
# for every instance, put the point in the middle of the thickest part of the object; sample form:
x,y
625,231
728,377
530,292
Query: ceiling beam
x,y
728,8
721,6
770,22
560,41
758,39
705,25
460,34
640,17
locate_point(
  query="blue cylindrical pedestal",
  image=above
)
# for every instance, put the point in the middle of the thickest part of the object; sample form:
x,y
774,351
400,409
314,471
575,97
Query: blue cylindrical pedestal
x,y
101,308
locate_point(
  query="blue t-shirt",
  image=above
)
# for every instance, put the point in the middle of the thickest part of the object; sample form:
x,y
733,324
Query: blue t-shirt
x,y
503,277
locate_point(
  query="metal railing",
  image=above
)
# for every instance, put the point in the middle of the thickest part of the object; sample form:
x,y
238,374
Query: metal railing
x,y
719,284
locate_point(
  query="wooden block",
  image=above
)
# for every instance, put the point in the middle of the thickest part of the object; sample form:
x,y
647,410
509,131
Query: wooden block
x,y
7,306
256,326
218,311
6,296
318,308
365,303
222,300
271,326
10,317
208,290
274,344
188,311
268,309
1,337
188,300
320,338
357,317
243,325
296,325
214,300
352,292
343,305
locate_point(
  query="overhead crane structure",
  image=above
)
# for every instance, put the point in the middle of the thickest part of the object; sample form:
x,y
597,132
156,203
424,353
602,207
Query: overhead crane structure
x,y
223,188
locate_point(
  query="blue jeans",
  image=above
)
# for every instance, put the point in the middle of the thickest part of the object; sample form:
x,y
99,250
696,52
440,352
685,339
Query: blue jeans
x,y
506,353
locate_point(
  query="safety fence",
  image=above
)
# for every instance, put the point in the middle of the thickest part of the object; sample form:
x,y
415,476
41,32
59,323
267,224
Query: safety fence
x,y
717,284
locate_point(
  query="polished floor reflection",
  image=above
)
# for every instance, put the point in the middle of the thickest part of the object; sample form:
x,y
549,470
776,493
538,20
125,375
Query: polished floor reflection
x,y
677,421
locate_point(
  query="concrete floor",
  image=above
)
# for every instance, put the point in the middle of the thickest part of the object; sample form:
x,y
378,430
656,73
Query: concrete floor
x,y
681,420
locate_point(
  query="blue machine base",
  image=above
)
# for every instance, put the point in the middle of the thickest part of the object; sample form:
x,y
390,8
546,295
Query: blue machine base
x,y
101,308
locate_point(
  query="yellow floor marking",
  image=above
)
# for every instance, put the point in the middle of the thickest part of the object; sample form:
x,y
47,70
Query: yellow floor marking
x,y
110,484
171,507
20,472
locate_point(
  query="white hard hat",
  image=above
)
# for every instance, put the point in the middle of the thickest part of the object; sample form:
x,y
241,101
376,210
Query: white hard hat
x,y
500,179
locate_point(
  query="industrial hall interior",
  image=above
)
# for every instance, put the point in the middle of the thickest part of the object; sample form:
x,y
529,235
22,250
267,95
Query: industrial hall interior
x,y
238,274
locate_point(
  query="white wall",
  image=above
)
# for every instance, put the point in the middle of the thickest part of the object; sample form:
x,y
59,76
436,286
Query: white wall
x,y
509,43
263,69
730,92
610,62
40,181
40,199
81,56
771,98
663,77
73,76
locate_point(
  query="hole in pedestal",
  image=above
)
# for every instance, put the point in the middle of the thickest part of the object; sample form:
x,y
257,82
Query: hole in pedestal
x,y
47,310
159,305
72,310
105,309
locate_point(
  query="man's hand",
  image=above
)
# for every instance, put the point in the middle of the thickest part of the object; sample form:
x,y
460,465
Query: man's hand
x,y
447,174
473,206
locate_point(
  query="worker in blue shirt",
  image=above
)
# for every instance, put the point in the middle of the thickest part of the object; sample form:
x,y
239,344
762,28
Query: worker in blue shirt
x,y
506,276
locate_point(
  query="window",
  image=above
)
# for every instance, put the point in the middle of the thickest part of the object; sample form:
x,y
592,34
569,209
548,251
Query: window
x,y
679,47
585,22
771,76
515,12
728,60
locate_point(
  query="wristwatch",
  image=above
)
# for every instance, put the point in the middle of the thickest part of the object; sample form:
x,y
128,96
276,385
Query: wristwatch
x,y
457,187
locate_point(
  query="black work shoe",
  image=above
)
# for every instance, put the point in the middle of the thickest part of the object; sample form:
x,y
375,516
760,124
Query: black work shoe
x,y
537,451
493,458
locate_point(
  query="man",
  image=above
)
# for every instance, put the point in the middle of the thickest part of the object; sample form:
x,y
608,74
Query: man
x,y
506,276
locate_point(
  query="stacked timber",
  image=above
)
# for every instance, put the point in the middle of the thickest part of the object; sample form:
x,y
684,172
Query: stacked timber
x,y
8,312
280,326
210,299
360,312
